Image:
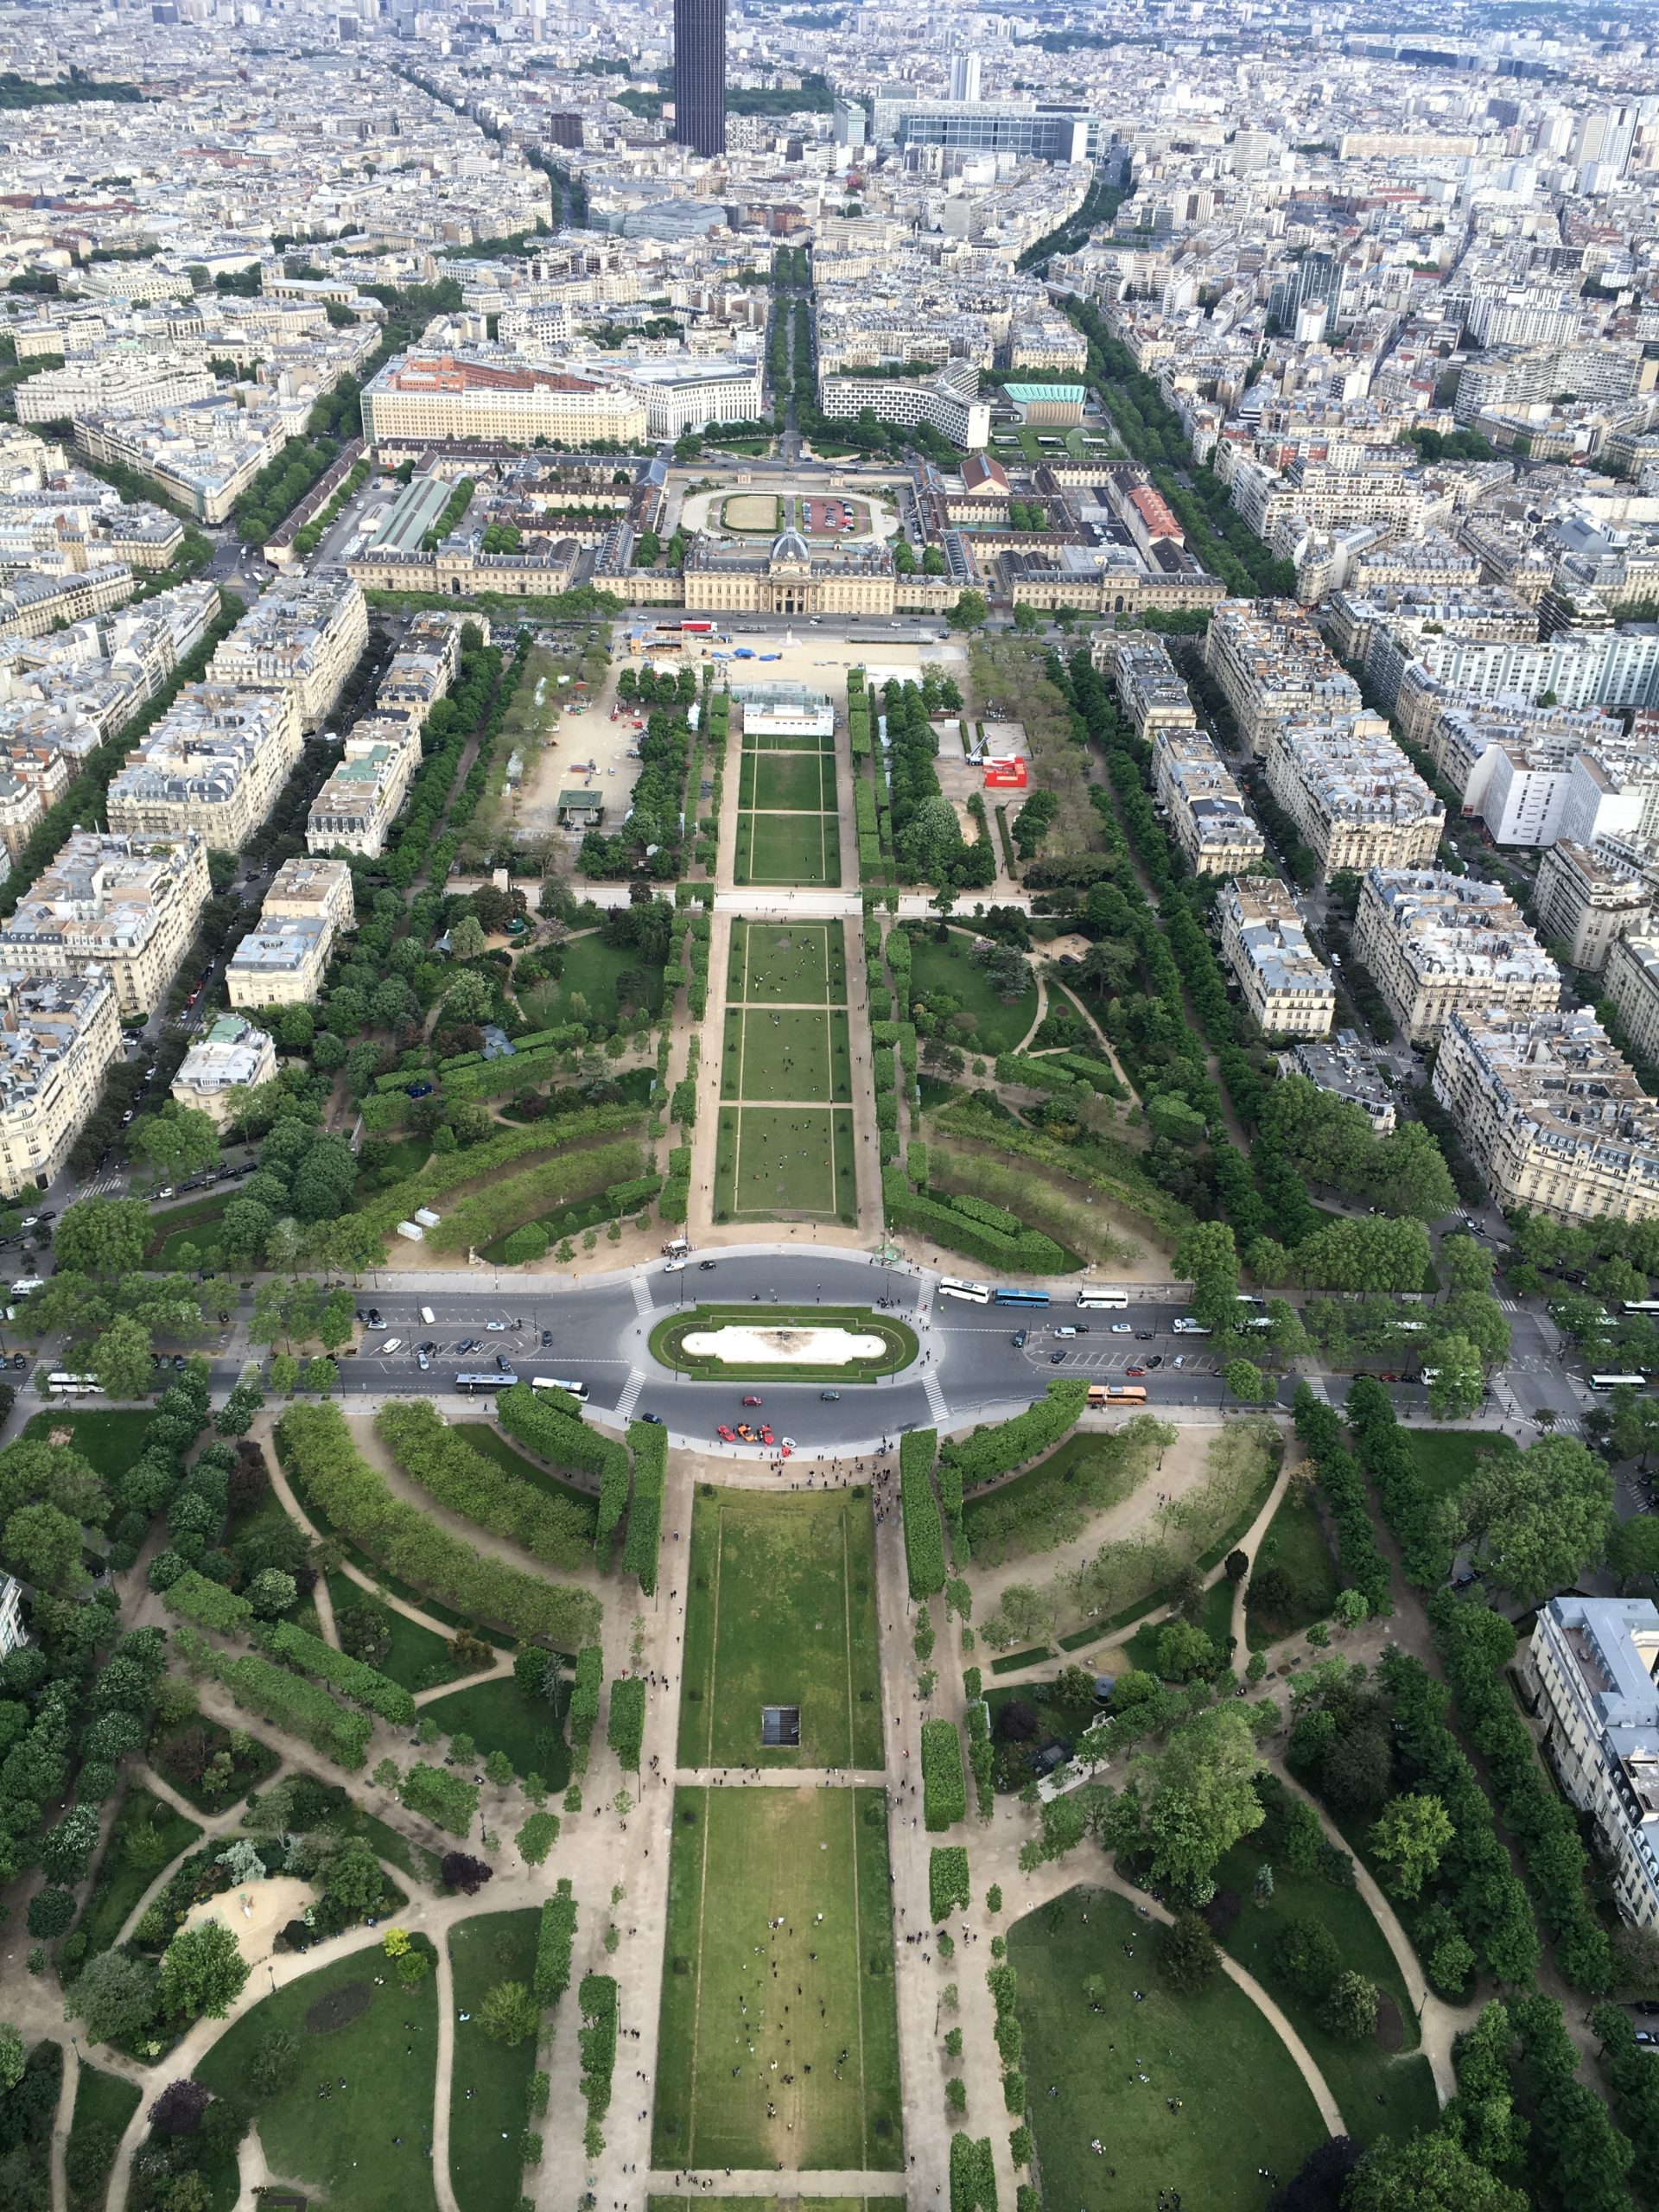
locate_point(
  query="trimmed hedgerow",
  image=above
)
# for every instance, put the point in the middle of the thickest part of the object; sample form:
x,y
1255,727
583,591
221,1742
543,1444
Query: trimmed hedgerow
x,y
287,1700
208,1604
440,1796
365,1686
1409,1506
649,1444
947,1879
584,1696
1359,1564
597,1995
625,1732
557,1530
923,1529
944,1786
999,1449
555,1944
973,2174
550,1423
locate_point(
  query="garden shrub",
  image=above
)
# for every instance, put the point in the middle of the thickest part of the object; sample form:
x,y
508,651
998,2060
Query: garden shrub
x,y
945,1788
625,1730
309,1655
648,1442
440,1796
923,1529
555,1944
947,1879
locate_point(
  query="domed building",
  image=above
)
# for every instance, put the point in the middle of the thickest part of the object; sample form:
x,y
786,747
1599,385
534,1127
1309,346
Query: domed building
x,y
791,577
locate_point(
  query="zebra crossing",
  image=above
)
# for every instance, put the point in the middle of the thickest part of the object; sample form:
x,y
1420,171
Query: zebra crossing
x,y
936,1399
631,1389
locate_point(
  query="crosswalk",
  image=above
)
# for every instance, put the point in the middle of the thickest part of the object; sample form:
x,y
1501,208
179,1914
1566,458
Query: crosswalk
x,y
631,1389
641,1295
936,1399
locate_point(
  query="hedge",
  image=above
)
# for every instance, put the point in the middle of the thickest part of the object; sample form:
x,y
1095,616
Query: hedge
x,y
1359,1564
924,1529
555,1944
510,1200
1409,1506
947,1879
556,1529
366,1686
440,1796
209,1605
625,1732
944,1786
447,1170
286,1701
649,1442
973,2174
1031,1253
596,1994
1476,1646
583,1710
1036,1075
315,1448
550,1423
999,1449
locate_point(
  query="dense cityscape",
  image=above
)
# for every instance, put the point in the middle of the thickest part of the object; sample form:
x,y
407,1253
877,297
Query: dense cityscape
x,y
828,1106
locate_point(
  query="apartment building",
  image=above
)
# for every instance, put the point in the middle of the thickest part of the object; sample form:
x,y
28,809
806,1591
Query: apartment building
x,y
205,453
232,1056
58,1036
1591,1665
1551,1114
1149,689
311,891
283,961
1216,831
304,635
948,400
1574,668
216,762
21,807
418,400
1589,895
125,905
1349,1070
1630,985
1289,991
359,802
1354,797
1271,664
1433,941
1614,792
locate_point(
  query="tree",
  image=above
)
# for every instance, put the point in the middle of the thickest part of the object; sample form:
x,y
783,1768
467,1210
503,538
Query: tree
x,y
1246,1382
1466,1263
121,1360
103,1236
1184,1652
1636,1425
1317,2183
12,2056
1187,1957
1432,2173
271,1592
970,611
235,1417
1350,2008
202,1973
1457,1380
284,1374
51,1912
1307,1956
509,2013
41,1545
177,1142
1540,1517
458,1871
352,1878
1199,1799
467,938
1410,1838
470,997
113,1996
1633,1552
1207,1255
179,2109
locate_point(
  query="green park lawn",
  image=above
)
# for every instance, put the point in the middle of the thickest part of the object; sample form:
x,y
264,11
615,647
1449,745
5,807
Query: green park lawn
x,y
489,2083
802,1053
999,1023
782,1612
1244,2105
498,1717
785,1159
1295,1540
1358,2075
591,968
741,1859
787,782
369,2143
415,1657
111,1441
121,1882
1447,1457
801,963
104,2105
788,849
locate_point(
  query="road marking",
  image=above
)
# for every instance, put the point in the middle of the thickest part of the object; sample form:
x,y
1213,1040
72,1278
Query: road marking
x,y
641,1295
936,1403
631,1389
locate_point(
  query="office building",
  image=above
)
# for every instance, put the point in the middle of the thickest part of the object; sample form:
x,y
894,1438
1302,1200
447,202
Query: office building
x,y
1289,991
58,1036
700,75
1551,1114
127,906
1589,1665
419,400
1589,895
1433,941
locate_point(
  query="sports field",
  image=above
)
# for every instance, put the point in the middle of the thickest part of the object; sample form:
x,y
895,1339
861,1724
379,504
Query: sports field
x,y
785,1139
781,1614
778,2044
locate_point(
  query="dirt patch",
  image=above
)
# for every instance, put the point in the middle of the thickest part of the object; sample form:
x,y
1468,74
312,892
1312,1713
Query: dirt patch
x,y
338,2008
1390,2028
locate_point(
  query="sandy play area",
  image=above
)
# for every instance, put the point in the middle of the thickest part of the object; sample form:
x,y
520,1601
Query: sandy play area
x,y
782,1347
255,1910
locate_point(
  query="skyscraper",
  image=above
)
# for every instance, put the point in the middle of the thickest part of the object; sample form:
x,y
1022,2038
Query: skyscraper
x,y
700,74
964,76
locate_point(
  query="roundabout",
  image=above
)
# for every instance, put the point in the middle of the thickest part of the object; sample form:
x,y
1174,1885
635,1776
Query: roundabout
x,y
819,1343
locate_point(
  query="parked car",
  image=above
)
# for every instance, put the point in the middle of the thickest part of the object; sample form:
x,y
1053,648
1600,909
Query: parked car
x,y
1156,1359
495,1327
654,1419
1055,1358
392,1344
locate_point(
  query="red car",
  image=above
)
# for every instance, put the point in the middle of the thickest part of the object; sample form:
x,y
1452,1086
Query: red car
x,y
766,1436
1135,1370
725,1434
751,1401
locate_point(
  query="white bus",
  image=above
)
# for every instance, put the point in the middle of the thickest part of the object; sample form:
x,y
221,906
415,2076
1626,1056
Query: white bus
x,y
1186,1327
1618,1382
72,1386
1093,1300
557,1383
976,1293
